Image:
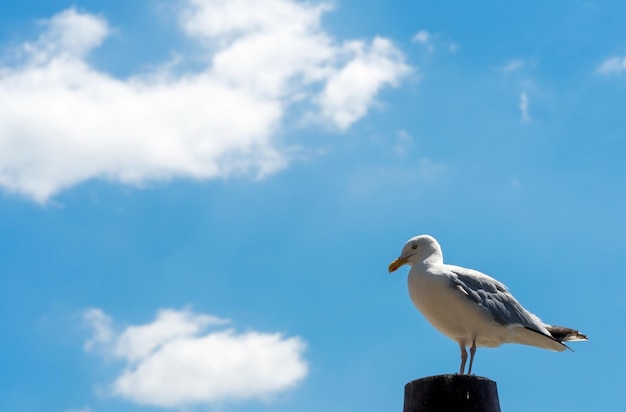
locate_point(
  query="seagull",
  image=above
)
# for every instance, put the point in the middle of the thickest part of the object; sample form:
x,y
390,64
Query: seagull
x,y
470,307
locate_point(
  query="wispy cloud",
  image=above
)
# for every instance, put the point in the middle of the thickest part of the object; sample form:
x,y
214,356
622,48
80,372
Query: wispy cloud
x,y
523,107
612,65
63,121
403,145
422,36
516,185
183,358
518,66
431,41
425,38
101,327
375,182
512,65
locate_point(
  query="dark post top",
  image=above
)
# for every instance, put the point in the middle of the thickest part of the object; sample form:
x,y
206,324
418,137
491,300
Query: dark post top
x,y
451,393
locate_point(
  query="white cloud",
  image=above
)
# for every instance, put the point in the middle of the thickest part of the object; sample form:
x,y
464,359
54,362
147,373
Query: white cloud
x,y
63,121
523,107
69,33
137,342
349,92
175,362
612,65
265,44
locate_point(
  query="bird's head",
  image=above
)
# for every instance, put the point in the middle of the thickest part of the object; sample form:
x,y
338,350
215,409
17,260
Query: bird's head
x,y
418,249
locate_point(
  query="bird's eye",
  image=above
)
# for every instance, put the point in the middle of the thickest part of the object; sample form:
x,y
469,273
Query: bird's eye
x,y
414,247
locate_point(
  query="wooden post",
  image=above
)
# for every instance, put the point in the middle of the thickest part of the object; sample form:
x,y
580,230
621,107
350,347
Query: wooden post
x,y
452,393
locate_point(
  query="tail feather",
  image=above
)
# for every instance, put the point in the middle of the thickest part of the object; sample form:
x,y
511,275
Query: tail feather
x,y
563,334
533,337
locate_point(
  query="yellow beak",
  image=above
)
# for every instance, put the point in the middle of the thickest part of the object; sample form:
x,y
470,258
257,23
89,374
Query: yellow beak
x,y
396,264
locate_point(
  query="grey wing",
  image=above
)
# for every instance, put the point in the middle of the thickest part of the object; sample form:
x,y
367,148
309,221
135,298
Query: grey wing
x,y
495,298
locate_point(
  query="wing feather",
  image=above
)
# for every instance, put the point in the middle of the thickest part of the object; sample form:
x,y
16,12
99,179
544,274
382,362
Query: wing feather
x,y
495,299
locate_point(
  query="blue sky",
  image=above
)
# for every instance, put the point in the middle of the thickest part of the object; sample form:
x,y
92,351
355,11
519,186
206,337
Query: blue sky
x,y
200,199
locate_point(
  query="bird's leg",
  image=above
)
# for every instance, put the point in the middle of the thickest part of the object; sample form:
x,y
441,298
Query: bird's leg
x,y
463,358
472,353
